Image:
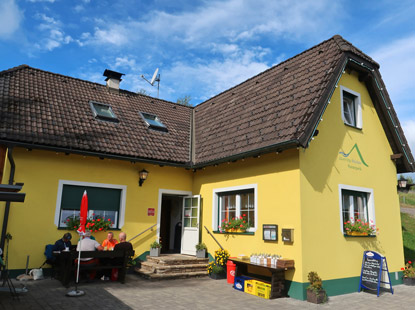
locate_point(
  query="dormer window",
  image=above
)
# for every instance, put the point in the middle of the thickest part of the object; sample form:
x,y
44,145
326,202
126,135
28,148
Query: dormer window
x,y
153,121
103,111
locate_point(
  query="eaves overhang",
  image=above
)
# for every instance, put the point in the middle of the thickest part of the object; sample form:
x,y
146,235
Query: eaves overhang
x,y
279,147
132,159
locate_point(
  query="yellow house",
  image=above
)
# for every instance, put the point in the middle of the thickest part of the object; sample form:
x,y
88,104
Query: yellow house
x,y
308,145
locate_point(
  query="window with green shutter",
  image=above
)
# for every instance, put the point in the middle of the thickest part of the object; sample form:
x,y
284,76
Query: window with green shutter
x,y
102,202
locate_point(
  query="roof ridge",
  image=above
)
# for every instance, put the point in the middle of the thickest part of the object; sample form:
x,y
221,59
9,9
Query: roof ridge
x,y
341,42
14,68
271,68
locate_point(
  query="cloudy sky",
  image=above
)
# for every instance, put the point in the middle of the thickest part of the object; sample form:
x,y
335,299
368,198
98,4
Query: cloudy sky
x,y
205,47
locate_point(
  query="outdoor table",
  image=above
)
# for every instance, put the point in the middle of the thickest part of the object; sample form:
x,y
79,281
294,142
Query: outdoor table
x,y
277,275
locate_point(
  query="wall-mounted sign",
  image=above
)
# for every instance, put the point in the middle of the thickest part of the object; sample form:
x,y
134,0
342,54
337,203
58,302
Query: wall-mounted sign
x,y
269,232
287,234
151,212
353,158
374,273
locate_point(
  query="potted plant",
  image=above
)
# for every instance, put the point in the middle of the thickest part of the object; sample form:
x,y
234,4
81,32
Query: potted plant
x,y
236,224
155,249
315,292
408,274
359,228
216,268
201,250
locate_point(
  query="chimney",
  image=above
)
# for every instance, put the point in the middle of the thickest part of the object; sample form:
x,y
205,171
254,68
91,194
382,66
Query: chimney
x,y
113,80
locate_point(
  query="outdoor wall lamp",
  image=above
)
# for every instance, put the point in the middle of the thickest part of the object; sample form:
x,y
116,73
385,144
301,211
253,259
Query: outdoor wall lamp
x,y
402,183
143,176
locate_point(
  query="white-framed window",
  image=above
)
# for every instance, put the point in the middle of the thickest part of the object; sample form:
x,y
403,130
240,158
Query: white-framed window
x,y
356,203
351,107
233,202
104,200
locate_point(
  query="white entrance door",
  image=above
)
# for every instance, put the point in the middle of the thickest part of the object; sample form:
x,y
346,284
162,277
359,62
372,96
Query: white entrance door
x,y
190,228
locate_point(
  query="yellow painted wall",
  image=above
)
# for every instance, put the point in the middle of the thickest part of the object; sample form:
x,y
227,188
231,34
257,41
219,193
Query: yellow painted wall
x,y
325,249
40,171
277,178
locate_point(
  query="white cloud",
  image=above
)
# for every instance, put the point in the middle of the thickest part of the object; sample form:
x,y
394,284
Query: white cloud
x,y
79,8
125,62
54,36
117,35
397,65
211,78
230,21
10,18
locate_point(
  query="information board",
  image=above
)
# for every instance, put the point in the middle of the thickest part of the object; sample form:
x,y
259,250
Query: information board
x,y
374,266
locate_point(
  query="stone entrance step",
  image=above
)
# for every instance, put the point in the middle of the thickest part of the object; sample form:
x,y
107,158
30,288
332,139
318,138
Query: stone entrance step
x,y
173,266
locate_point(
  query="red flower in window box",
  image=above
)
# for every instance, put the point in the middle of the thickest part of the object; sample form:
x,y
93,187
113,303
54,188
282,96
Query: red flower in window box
x,y
100,222
240,223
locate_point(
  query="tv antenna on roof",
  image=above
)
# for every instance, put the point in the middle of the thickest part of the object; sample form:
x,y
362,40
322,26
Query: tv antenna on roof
x,y
155,78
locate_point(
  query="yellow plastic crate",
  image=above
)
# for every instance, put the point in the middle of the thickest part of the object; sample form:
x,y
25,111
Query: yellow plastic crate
x,y
250,287
263,289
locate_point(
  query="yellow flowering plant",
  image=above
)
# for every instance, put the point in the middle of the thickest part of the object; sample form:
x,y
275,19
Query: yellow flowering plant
x,y
221,257
218,265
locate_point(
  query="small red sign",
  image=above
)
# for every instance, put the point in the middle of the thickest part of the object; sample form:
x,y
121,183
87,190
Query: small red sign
x,y
150,212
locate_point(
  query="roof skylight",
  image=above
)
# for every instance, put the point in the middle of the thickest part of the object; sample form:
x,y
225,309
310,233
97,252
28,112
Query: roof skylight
x,y
153,121
103,111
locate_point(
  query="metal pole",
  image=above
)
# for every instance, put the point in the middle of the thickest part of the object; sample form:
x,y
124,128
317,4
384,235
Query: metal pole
x,y
79,262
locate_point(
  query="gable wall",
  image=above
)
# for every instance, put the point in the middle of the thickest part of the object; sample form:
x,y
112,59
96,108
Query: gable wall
x,y
325,249
32,223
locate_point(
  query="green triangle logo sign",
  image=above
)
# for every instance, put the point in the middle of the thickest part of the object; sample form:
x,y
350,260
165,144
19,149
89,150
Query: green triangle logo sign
x,y
355,147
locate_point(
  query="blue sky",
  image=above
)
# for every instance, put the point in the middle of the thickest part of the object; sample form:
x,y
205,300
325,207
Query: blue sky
x,y
205,47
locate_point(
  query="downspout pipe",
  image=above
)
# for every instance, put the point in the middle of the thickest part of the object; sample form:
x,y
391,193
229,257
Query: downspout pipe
x,y
7,208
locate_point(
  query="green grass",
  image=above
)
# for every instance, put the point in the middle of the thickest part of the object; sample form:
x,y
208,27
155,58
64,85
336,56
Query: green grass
x,y
408,235
407,199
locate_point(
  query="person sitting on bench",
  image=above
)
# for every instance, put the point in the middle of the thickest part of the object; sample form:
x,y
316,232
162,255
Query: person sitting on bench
x,y
88,244
64,243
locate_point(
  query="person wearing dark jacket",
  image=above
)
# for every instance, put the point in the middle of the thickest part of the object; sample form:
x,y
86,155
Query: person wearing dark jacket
x,y
62,244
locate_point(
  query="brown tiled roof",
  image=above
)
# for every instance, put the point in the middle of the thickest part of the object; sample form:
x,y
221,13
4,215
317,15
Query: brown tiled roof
x,y
276,109
52,110
279,108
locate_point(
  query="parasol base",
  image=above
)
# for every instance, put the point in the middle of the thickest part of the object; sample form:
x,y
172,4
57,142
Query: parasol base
x,y
75,293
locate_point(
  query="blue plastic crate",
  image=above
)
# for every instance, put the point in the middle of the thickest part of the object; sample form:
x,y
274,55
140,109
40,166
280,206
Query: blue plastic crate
x,y
239,283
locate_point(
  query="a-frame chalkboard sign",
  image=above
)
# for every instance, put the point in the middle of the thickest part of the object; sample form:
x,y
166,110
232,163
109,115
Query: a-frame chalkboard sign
x,y
374,272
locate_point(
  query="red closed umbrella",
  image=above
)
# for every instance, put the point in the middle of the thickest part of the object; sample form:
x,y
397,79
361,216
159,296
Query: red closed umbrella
x,y
83,214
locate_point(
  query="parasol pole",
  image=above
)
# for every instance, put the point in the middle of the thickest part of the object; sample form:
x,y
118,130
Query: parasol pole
x,y
81,230
79,262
